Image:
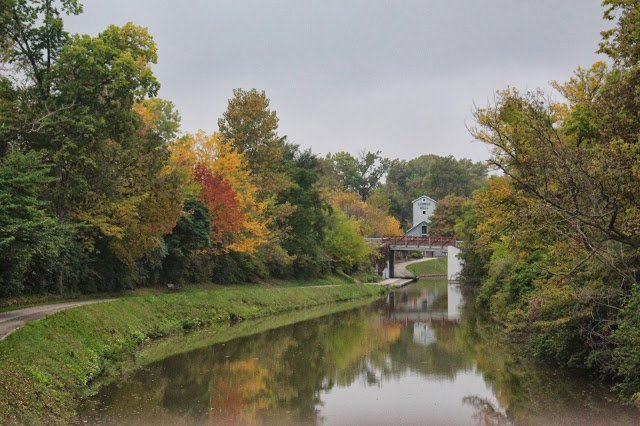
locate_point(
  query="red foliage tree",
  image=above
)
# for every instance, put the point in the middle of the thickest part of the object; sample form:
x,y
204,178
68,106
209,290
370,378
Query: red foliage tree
x,y
225,211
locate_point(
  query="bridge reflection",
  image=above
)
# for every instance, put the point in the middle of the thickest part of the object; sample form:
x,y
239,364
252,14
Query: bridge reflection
x,y
425,306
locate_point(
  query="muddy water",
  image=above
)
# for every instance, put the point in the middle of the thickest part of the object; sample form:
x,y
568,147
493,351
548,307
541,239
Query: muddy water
x,y
417,357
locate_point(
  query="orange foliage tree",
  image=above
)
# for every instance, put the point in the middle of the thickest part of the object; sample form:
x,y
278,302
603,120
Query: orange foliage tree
x,y
374,222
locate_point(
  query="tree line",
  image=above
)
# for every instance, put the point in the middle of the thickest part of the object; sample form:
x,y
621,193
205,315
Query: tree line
x,y
100,190
553,241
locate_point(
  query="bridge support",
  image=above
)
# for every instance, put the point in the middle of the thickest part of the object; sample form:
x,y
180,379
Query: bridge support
x,y
392,263
454,265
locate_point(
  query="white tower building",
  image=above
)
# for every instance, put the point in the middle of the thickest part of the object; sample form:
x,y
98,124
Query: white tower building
x,y
423,208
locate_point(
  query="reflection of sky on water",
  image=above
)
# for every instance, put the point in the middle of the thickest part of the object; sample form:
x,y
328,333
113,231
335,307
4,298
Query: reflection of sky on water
x,y
423,335
409,399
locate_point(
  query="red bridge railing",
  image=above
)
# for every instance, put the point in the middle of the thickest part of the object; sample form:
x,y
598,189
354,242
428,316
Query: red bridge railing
x,y
406,240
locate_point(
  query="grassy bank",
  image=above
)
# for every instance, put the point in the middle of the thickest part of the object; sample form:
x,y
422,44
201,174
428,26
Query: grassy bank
x,y
47,365
26,301
429,267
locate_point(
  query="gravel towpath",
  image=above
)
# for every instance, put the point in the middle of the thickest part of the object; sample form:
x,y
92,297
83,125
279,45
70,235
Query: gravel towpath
x,y
401,270
12,320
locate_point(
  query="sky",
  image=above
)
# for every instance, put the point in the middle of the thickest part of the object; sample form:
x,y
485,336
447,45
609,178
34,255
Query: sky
x,y
399,76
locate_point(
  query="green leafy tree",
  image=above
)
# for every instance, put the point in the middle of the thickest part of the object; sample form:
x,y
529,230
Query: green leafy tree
x,y
10,115
361,175
31,238
305,222
344,242
106,144
622,43
32,35
251,125
188,243
160,118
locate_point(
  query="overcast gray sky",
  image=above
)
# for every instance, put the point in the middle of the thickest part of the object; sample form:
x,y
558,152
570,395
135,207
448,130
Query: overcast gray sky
x,y
397,76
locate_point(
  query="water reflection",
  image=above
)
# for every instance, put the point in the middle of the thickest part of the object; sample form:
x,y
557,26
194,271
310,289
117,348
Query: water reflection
x,y
414,358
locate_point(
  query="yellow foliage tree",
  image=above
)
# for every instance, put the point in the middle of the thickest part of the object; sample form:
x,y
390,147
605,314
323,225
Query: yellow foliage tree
x,y
151,202
212,152
374,222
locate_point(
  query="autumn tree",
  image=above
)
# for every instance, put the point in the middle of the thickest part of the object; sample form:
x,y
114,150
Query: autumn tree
x,y
559,233
225,212
374,221
447,212
554,168
250,125
161,181
224,180
251,128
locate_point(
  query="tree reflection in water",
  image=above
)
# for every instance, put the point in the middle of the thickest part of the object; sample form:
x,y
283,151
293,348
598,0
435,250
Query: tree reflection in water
x,y
486,413
290,375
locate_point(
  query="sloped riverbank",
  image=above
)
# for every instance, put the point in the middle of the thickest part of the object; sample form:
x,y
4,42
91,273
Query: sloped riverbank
x,y
48,365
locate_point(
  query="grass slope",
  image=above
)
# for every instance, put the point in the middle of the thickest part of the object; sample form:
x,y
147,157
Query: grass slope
x,y
46,366
430,267
26,301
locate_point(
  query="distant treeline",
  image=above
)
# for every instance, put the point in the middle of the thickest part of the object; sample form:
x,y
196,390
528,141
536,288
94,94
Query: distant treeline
x,y
554,240
101,191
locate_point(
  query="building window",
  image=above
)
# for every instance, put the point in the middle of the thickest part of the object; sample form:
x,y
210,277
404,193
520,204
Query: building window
x,y
424,212
424,229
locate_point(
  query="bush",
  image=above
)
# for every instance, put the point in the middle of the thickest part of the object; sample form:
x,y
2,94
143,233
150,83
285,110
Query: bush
x,y
626,356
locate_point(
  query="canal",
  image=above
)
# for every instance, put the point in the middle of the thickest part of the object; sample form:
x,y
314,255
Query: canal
x,y
419,356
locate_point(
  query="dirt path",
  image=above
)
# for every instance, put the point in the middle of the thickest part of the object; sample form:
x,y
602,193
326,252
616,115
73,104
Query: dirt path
x,y
401,270
12,320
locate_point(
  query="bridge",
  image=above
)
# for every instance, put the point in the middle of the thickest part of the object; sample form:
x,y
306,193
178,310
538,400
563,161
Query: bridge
x,y
412,243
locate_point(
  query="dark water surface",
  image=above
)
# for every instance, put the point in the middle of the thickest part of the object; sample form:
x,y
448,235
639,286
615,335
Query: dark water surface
x,y
417,357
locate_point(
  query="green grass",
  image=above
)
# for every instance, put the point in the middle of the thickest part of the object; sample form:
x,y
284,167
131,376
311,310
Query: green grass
x,y
429,267
49,364
19,302
430,283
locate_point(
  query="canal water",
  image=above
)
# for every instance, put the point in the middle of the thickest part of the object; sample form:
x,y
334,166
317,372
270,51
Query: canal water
x,y
419,356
